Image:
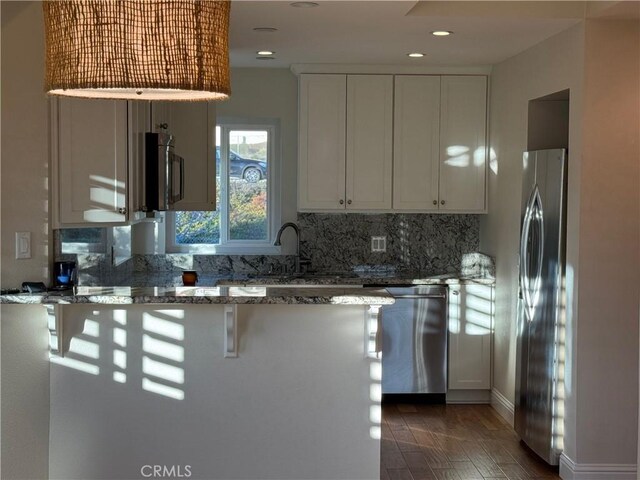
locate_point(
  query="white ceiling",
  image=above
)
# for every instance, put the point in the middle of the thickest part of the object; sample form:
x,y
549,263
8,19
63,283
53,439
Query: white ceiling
x,y
383,32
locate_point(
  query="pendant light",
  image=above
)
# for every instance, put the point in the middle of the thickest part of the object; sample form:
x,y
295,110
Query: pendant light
x,y
138,49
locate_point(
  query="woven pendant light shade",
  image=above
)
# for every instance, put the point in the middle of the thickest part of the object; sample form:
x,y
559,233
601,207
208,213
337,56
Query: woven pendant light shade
x,y
138,49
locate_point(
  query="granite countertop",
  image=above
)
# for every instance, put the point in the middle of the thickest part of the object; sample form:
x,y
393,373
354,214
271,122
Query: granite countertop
x,y
256,294
377,279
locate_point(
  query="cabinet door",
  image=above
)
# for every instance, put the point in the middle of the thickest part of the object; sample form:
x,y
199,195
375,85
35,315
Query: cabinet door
x,y
139,124
193,126
321,156
92,161
463,143
369,141
416,142
470,327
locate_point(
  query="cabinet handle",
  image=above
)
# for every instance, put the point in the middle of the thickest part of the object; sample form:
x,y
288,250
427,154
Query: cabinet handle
x,y
435,202
162,126
123,211
454,292
341,202
349,202
442,202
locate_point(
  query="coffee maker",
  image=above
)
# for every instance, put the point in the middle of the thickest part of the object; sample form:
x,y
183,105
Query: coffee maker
x,y
64,275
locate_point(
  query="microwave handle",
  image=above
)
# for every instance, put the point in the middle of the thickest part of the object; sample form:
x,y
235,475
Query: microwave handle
x,y
181,197
167,176
176,196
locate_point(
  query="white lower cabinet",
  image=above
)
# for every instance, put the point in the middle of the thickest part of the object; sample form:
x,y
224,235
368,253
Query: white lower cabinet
x,y
470,311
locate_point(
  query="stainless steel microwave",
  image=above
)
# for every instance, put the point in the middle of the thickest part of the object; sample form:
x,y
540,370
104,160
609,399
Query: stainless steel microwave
x,y
164,173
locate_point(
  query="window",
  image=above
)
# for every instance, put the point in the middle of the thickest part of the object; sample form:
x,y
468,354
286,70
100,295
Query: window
x,y
246,199
83,240
113,241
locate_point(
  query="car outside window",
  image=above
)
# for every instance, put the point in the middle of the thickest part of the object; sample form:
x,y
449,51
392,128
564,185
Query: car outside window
x,y
246,162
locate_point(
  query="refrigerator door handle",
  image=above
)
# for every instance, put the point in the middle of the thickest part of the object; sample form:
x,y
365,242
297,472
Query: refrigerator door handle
x,y
531,291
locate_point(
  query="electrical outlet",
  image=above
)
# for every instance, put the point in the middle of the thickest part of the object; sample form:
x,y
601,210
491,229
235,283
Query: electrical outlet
x,y
23,245
379,244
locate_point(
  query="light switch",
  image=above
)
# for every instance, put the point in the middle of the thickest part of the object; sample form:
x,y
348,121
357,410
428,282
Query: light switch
x,y
23,245
379,244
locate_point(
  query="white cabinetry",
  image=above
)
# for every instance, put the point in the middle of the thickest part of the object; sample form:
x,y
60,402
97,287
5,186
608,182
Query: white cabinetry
x,y
139,124
193,126
418,146
416,142
369,141
345,147
98,156
322,131
440,143
470,331
89,146
463,143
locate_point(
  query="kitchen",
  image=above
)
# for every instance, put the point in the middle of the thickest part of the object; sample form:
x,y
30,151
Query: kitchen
x,y
571,58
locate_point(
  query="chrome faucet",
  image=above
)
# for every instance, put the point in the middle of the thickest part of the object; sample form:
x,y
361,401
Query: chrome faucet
x,y
277,243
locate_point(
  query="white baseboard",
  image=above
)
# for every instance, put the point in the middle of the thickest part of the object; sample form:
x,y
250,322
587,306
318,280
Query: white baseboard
x,y
503,406
471,397
570,470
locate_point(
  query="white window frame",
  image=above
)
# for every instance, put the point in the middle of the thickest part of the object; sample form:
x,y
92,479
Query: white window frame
x,y
226,245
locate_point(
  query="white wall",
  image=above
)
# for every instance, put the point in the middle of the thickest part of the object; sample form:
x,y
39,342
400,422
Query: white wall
x,y
296,403
271,93
598,61
25,143
24,203
549,67
25,392
606,373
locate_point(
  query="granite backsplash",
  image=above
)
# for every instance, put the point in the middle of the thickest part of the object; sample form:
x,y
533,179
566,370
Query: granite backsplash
x,y
415,242
336,243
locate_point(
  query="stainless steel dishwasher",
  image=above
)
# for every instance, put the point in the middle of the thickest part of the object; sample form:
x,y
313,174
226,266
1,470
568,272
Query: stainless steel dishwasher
x,y
414,345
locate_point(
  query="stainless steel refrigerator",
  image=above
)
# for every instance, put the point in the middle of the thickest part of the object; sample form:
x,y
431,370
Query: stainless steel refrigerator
x,y
540,325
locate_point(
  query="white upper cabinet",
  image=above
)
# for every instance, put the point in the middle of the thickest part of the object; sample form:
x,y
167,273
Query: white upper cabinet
x,y
369,141
463,144
90,174
416,142
193,126
346,142
412,143
321,157
139,124
98,157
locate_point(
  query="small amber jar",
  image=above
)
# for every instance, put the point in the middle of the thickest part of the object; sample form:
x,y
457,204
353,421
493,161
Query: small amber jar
x,y
189,278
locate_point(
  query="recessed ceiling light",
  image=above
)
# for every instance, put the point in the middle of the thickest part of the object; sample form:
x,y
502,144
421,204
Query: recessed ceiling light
x,y
441,33
304,4
265,29
415,55
265,52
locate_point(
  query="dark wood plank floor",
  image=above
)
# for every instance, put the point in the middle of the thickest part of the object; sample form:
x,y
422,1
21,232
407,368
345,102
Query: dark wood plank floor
x,y
454,442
